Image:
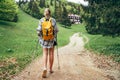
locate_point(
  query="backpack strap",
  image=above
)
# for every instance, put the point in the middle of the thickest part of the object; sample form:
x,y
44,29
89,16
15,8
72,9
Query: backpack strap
x,y
44,19
48,20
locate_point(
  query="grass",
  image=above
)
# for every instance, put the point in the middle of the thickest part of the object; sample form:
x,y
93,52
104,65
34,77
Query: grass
x,y
18,41
65,33
104,45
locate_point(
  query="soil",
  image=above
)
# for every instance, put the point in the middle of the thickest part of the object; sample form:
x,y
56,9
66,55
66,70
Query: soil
x,y
76,63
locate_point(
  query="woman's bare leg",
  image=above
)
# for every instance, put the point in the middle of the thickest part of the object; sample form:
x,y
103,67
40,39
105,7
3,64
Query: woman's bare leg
x,y
45,57
51,58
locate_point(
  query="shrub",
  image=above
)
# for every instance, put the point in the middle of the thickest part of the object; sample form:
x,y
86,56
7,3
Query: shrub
x,y
8,10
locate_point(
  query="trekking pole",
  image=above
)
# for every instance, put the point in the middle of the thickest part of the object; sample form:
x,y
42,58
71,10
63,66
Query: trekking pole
x,y
57,54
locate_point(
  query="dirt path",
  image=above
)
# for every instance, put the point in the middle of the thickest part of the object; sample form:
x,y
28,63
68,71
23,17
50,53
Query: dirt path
x,y
76,63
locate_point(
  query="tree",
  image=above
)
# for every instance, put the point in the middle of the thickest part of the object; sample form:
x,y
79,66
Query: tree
x,y
57,10
19,2
102,17
8,10
47,5
65,20
78,11
35,10
51,2
42,3
30,4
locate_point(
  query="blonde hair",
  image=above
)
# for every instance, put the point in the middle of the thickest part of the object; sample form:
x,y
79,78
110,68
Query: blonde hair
x,y
47,9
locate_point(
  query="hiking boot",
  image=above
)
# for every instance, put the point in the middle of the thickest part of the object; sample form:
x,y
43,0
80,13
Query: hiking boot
x,y
51,72
44,74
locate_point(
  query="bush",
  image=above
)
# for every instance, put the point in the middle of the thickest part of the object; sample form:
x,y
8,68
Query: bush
x,y
8,10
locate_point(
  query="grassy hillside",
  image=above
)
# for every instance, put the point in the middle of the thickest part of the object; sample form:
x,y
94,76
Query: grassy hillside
x,y
17,43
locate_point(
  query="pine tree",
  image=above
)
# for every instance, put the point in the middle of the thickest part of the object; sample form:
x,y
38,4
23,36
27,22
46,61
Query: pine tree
x,y
47,5
51,2
102,17
42,3
65,19
35,10
55,8
30,4
19,3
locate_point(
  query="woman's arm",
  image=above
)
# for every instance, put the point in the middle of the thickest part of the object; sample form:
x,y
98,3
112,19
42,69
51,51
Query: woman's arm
x,y
56,30
39,28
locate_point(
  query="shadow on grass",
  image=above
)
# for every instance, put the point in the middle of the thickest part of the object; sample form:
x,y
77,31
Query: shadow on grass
x,y
6,24
113,49
67,27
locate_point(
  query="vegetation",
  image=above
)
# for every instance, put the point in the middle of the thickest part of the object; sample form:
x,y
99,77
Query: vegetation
x,y
65,20
31,8
103,45
58,7
8,10
42,3
102,17
17,41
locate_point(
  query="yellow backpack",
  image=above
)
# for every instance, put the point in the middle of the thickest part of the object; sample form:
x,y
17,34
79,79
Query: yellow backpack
x,y
47,30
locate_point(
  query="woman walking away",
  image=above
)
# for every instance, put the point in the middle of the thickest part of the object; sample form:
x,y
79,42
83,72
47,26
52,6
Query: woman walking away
x,y
47,32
